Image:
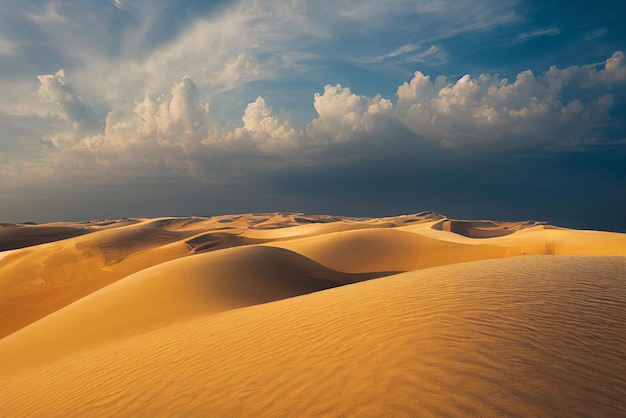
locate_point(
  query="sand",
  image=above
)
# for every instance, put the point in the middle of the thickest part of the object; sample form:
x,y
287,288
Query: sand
x,y
304,315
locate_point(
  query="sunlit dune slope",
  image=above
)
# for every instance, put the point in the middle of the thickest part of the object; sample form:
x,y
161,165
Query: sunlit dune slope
x,y
389,249
202,284
530,239
38,280
41,279
522,336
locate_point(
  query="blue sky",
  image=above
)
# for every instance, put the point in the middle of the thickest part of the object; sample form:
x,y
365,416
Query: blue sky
x,y
491,109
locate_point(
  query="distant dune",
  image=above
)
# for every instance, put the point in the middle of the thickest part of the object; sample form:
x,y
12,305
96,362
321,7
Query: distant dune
x,y
306,315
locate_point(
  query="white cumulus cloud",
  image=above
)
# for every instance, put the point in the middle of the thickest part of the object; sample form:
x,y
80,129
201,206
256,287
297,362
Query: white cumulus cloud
x,y
530,108
80,116
180,117
262,129
343,115
175,130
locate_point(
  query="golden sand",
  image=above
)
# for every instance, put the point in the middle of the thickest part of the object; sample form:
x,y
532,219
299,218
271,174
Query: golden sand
x,y
300,315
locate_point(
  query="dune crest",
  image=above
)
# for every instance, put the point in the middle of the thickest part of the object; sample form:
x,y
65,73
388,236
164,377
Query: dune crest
x,y
311,315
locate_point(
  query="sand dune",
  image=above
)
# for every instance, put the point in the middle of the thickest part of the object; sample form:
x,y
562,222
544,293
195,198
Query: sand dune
x,y
39,280
386,249
523,336
305,315
203,284
36,281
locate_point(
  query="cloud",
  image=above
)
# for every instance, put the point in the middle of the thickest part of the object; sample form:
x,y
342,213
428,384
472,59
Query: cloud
x,y
7,47
263,131
434,128
556,106
235,91
175,134
614,70
426,29
433,16
81,117
595,34
343,116
538,33
404,49
47,15
124,49
177,117
410,53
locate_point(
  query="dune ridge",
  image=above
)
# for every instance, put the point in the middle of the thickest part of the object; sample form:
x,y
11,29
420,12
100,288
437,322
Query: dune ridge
x,y
287,314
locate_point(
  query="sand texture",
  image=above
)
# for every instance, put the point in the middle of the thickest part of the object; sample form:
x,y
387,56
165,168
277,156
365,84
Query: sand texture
x,y
306,315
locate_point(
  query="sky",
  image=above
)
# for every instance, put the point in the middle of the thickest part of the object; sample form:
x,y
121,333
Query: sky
x,y
490,109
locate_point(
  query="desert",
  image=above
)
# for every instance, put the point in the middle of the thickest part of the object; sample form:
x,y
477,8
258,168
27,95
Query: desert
x,y
295,208
291,314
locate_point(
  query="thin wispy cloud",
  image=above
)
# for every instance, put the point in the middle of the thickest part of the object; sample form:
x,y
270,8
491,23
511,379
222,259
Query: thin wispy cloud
x,y
410,53
6,47
434,55
538,33
403,50
595,34
48,14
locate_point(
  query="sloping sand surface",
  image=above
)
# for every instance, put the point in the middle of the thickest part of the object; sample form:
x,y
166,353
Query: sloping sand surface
x,y
287,314
37,281
526,336
386,249
204,284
